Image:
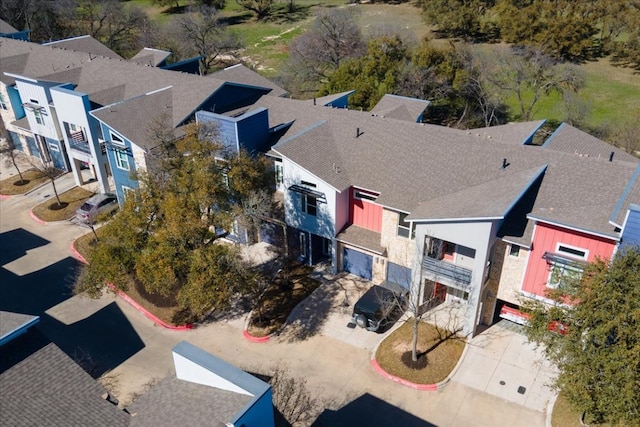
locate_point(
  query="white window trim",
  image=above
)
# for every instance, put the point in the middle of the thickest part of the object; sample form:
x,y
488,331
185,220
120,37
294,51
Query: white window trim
x,y
126,190
410,228
115,136
305,204
118,160
571,255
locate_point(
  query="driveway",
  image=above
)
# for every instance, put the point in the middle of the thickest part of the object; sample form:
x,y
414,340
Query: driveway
x,y
327,311
501,362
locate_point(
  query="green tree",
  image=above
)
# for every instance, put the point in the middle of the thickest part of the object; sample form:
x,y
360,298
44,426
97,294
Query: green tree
x,y
457,18
598,355
164,238
371,75
262,8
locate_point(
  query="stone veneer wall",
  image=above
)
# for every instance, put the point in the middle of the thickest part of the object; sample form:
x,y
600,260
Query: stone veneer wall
x,y
400,250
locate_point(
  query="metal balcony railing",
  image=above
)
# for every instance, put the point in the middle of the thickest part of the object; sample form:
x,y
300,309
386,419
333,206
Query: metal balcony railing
x,y
80,146
444,269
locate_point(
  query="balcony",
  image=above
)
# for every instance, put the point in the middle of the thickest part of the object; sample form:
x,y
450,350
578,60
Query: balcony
x,y
77,141
446,270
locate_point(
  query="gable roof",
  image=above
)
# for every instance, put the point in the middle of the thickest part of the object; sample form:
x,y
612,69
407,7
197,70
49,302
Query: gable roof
x,y
569,139
400,107
41,385
239,73
85,44
417,167
14,324
150,57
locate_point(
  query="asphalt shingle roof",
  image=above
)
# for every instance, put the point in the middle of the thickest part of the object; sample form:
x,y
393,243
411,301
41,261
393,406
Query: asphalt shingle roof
x,y
6,28
150,57
400,107
362,238
569,139
42,386
174,402
243,75
85,44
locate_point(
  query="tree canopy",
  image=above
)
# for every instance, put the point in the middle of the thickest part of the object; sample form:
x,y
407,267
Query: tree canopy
x,y
165,238
598,353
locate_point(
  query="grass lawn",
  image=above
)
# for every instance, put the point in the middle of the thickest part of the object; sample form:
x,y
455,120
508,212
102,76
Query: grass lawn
x,y
71,201
12,185
279,299
565,416
442,356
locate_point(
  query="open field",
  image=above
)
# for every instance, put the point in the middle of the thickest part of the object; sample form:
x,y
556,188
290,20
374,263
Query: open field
x,y
611,92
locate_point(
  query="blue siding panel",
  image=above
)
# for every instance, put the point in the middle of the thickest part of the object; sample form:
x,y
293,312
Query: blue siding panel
x,y
57,154
631,233
253,132
17,142
33,148
121,177
399,275
16,102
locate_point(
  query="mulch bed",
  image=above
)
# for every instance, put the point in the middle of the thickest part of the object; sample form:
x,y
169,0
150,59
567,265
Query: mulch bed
x,y
438,353
13,185
280,298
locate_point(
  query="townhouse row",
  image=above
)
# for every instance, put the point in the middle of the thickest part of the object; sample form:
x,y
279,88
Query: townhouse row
x,y
478,219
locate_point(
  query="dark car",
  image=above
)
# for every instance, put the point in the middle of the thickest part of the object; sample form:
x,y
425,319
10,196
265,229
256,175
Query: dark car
x,y
374,308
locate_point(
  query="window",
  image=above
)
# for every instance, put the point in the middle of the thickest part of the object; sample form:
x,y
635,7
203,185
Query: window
x,y
307,184
514,250
565,265
449,249
457,294
279,171
404,227
116,139
127,191
366,196
3,103
309,204
122,159
38,116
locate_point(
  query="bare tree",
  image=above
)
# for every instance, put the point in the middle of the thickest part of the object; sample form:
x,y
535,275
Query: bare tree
x,y
528,75
48,170
202,32
9,152
292,398
333,37
262,8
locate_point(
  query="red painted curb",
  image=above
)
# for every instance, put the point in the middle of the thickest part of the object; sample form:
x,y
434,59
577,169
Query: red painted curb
x,y
76,254
35,218
144,311
5,196
251,338
385,374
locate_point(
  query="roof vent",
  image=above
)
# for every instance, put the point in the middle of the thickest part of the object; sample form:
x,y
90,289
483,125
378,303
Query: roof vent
x,y
505,163
358,133
611,156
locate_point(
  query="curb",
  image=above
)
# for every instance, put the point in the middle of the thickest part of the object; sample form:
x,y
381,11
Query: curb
x,y
133,303
144,311
35,218
5,196
251,338
422,387
550,405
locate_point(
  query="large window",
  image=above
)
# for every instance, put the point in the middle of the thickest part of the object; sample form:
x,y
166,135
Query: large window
x,y
122,159
38,116
404,226
309,204
565,265
279,172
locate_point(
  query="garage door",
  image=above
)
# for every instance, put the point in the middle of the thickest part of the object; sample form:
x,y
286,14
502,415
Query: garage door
x,y
399,275
358,263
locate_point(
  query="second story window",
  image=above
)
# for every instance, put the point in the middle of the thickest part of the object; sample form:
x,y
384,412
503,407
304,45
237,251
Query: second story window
x,y
3,103
404,226
38,116
565,265
122,159
309,204
279,172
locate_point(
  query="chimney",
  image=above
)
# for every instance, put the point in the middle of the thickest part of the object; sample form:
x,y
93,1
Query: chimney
x,y
504,163
358,133
611,156
314,100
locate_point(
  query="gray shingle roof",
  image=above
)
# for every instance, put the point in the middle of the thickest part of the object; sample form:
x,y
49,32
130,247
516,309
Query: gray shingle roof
x,y
437,170
328,99
85,44
361,237
150,57
11,322
174,402
514,133
243,75
400,107
572,140
42,386
6,28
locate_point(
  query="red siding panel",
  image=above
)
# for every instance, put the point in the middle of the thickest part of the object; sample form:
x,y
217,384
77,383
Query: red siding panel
x,y
364,213
546,239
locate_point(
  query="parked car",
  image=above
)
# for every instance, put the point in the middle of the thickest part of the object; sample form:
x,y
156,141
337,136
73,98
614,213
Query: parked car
x,y
97,205
376,307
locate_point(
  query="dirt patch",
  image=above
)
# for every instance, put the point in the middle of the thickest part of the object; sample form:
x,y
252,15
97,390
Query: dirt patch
x,y
70,201
288,289
13,185
438,351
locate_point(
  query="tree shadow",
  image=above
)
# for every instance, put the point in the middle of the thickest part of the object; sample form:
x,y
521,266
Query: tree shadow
x,y
284,14
237,19
175,10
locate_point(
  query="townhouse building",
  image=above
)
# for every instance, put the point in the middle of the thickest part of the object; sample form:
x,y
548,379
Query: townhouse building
x,y
478,218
